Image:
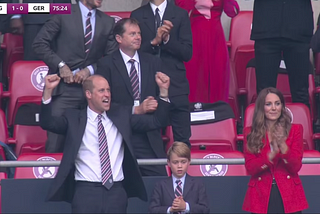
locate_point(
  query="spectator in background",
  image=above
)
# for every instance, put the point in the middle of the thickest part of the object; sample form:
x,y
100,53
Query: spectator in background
x,y
130,74
283,28
273,149
166,33
209,69
81,38
188,194
29,25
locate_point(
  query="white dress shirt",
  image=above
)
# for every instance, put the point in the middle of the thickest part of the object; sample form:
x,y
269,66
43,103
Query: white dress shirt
x,y
88,167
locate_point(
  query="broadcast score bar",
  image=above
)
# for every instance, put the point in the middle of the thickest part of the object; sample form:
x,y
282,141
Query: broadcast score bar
x,y
35,8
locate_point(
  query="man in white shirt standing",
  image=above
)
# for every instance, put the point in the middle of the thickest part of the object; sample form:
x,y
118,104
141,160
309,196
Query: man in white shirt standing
x,y
99,170
81,39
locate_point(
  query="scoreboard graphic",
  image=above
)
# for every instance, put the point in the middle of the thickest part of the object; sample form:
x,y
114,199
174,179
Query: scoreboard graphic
x,y
35,8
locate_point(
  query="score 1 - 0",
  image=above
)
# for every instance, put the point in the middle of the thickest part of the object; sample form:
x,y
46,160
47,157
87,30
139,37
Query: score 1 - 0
x,y
17,8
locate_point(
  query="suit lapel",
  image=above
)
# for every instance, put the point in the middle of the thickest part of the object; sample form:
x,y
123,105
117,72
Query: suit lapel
x,y
144,65
188,183
169,188
97,30
122,69
169,12
81,128
78,25
148,18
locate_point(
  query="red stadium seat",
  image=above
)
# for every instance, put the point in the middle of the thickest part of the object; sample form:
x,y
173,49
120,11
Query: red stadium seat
x,y
301,115
119,15
12,48
37,172
241,47
28,139
284,87
25,86
216,170
219,136
310,169
3,132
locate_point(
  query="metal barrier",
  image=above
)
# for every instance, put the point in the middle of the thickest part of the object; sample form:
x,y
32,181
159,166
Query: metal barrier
x,y
229,161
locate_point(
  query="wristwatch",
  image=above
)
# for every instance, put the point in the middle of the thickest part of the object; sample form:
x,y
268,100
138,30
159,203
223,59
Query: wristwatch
x,y
61,64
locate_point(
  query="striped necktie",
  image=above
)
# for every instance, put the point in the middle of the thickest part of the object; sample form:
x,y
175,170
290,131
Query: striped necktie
x,y
178,191
88,34
106,172
134,79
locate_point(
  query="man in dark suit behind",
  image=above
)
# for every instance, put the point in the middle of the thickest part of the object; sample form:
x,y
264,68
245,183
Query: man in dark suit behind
x,y
99,170
29,25
283,28
179,193
166,32
315,41
81,38
118,70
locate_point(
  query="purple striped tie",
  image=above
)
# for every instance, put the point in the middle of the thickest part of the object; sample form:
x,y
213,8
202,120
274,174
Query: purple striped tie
x,y
134,79
106,172
178,190
88,34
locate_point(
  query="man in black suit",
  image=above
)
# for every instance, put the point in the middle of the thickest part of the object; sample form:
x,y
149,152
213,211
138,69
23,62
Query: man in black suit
x,y
118,70
315,41
29,25
166,32
283,28
144,2
81,38
99,170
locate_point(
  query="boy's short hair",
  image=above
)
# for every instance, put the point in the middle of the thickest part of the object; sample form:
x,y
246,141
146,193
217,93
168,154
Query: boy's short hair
x,y
180,149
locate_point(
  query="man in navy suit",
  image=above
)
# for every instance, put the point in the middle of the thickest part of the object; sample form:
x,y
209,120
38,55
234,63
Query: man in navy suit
x,y
180,192
116,68
99,170
166,33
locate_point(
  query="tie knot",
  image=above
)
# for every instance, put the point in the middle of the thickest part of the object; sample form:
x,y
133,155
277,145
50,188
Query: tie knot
x,y
99,116
157,10
178,182
132,61
89,14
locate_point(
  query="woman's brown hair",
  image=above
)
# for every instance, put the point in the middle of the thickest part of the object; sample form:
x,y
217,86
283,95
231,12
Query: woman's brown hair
x,y
259,127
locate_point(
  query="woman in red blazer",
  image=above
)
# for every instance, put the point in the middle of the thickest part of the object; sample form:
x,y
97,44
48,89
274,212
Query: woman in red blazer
x,y
273,153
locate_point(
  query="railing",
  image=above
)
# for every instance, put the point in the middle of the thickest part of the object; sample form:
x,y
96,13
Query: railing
x,y
229,161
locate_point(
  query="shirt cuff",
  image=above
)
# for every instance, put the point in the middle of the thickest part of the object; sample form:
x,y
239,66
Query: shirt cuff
x,y
165,99
46,101
187,208
133,109
165,42
90,67
168,210
16,17
75,71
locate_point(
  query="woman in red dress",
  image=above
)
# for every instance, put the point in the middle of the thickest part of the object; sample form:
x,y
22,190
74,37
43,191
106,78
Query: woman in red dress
x,y
209,69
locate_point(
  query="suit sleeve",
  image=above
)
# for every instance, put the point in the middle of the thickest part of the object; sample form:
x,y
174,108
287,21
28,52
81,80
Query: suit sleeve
x,y
180,45
315,41
58,125
254,163
148,122
103,69
41,44
112,44
155,203
202,206
293,157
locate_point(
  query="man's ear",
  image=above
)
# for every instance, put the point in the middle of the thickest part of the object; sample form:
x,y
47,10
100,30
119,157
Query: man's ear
x,y
119,38
88,94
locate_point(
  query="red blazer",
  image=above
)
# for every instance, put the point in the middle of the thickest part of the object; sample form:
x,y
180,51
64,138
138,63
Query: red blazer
x,y
285,169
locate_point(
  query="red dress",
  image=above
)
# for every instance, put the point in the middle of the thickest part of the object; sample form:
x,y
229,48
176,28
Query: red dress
x,y
209,69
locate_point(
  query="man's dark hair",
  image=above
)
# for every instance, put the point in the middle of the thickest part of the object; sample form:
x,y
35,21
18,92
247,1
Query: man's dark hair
x,y
119,26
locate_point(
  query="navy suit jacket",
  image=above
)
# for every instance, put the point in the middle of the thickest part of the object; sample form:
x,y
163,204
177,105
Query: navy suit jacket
x,y
194,193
